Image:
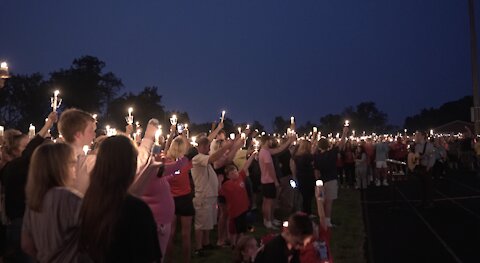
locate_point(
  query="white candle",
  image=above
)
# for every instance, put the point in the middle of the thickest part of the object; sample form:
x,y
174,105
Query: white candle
x,y
223,116
285,224
248,127
239,130
232,136
31,131
173,120
2,129
4,70
347,123
315,129
86,149
55,102
129,118
194,139
243,136
292,120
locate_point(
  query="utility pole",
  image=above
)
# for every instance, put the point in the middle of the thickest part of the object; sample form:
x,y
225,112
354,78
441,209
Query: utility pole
x,y
473,57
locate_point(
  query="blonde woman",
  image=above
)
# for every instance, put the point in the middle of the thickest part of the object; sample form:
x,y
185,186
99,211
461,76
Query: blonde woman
x,y
50,223
182,197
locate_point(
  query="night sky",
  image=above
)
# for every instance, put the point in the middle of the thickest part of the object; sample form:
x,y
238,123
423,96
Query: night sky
x,y
256,59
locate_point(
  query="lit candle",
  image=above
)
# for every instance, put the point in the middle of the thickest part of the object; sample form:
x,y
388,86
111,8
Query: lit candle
x,y
31,131
315,129
248,127
285,224
347,123
232,136
173,120
4,70
353,133
431,132
223,116
2,129
55,101
243,136
292,120
86,149
194,139
239,130
129,118
319,183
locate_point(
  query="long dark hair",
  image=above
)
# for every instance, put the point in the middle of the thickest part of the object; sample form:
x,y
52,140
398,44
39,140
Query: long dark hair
x,y
112,175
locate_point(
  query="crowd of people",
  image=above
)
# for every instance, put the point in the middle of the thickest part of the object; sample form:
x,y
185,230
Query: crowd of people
x,y
89,197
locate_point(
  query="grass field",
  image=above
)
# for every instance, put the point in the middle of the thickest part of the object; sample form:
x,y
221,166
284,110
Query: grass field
x,y
347,244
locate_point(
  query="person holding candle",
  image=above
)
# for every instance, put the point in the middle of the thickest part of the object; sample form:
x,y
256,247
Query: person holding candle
x,y
268,177
50,223
14,179
206,189
326,170
182,197
301,165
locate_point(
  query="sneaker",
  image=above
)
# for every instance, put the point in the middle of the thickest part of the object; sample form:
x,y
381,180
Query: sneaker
x,y
377,182
385,183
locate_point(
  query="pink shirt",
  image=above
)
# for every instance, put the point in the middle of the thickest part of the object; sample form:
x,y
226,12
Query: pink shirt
x,y
159,198
266,167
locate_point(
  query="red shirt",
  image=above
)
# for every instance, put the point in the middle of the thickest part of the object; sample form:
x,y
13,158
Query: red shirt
x,y
309,253
180,184
235,195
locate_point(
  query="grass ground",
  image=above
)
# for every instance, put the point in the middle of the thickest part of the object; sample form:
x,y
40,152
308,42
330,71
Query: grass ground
x,y
347,244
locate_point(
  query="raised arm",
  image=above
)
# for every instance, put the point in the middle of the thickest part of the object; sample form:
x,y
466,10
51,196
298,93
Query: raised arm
x,y
218,154
283,146
173,130
341,144
214,132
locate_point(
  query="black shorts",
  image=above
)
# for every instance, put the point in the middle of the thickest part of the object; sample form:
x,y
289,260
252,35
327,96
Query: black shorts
x,y
269,191
184,205
238,224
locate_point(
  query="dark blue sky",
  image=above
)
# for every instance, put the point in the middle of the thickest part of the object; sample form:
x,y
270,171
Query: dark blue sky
x,y
256,59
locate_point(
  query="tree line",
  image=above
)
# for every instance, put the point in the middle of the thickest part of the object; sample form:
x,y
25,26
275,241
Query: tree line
x,y
85,85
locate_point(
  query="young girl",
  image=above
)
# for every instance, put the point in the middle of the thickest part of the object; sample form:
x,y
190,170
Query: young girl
x,y
50,222
116,226
361,164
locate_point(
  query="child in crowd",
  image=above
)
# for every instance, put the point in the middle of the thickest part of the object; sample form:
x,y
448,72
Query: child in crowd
x,y
236,198
245,250
50,222
285,247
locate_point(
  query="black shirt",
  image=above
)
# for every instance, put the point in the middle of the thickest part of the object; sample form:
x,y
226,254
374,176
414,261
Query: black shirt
x,y
326,163
135,238
14,179
276,250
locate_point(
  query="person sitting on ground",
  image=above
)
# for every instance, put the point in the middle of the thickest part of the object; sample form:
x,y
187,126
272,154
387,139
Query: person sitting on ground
x,y
284,248
50,223
245,250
